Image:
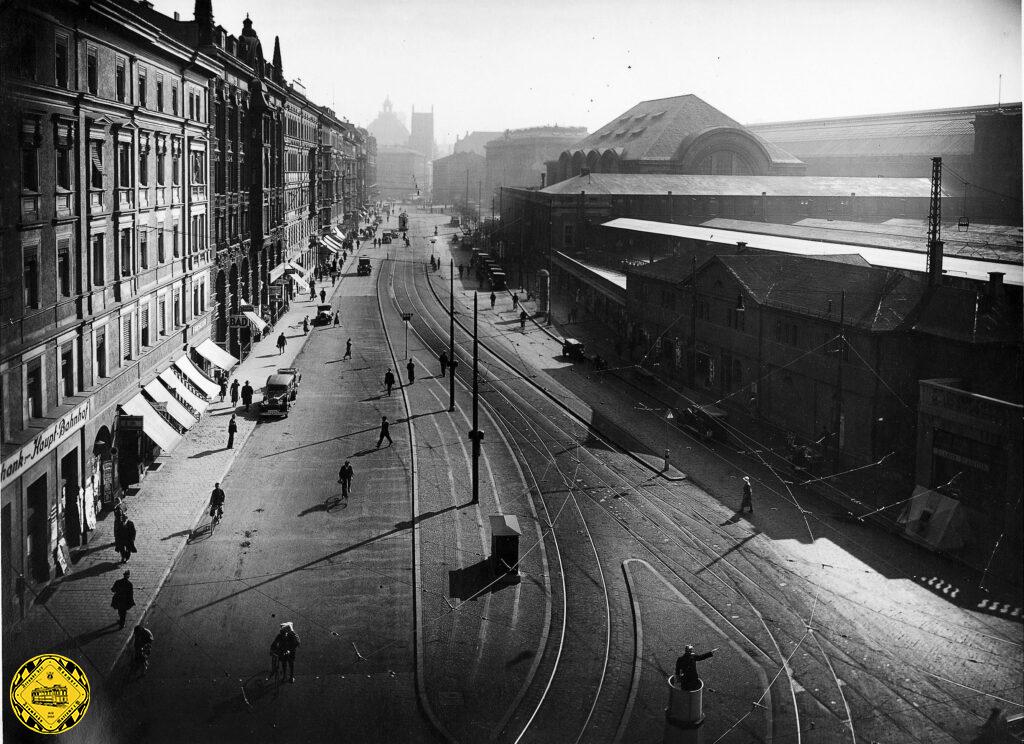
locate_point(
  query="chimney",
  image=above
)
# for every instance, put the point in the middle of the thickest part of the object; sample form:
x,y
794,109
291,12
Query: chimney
x,y
177,16
741,245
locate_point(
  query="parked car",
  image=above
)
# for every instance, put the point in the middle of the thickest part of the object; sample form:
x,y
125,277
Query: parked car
x,y
385,239
573,348
281,388
324,315
498,280
364,268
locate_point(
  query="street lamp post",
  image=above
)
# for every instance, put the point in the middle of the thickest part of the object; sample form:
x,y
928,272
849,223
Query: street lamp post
x,y
452,362
475,435
406,317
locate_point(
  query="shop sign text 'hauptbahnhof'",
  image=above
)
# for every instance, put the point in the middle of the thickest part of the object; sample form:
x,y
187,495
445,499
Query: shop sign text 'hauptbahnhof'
x,y
42,444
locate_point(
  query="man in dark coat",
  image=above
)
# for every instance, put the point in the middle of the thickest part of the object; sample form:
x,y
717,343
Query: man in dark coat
x,y
748,494
232,428
127,540
494,298
444,363
284,647
389,380
410,368
119,519
234,393
124,597
348,349
686,668
247,395
385,432
223,388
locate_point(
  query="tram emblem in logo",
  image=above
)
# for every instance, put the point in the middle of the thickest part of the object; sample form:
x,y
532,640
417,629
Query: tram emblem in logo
x,y
50,693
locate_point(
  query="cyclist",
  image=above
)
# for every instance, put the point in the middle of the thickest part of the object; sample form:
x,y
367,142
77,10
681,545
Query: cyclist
x,y
142,641
283,648
217,502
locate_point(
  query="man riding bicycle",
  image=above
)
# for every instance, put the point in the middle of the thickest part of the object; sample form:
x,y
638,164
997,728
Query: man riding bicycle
x,y
217,502
283,649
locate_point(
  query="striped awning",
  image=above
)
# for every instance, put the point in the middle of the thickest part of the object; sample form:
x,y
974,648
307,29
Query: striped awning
x,y
153,424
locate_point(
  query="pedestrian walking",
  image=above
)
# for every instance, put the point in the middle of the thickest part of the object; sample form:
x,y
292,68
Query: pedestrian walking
x,y
410,368
333,277
281,343
460,271
337,318
323,296
305,325
284,647
385,432
348,349
247,395
444,362
345,476
494,298
686,668
389,381
232,428
127,540
522,321
748,494
124,597
312,292
515,300
119,520
223,388
234,392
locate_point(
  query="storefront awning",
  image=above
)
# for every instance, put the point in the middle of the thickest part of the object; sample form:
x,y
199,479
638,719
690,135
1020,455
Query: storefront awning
x,y
298,269
209,351
182,390
162,434
327,245
197,378
330,240
160,394
297,278
277,272
255,320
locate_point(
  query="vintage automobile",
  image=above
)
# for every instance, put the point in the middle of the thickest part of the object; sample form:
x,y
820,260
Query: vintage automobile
x,y
385,239
282,388
498,280
363,268
573,349
707,422
324,315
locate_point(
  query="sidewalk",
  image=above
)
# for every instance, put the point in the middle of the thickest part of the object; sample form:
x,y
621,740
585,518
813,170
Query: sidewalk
x,y
73,615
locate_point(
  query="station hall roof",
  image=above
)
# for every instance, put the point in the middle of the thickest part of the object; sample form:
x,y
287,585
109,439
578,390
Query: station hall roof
x,y
974,269
655,130
639,184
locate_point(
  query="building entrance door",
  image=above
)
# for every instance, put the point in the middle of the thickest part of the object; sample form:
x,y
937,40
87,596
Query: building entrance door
x,y
72,513
36,542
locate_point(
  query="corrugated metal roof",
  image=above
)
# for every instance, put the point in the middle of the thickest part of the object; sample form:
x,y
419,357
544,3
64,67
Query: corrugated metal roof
x,y
638,184
883,257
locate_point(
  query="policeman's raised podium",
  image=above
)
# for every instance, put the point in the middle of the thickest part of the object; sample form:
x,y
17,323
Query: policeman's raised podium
x,y
505,535
684,716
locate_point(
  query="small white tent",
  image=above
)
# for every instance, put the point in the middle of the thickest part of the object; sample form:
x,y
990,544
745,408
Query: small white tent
x,y
933,520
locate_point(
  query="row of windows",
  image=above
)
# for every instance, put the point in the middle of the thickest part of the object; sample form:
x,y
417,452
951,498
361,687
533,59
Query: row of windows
x,y
114,345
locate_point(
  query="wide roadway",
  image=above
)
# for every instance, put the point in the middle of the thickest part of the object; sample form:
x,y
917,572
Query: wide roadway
x,y
341,575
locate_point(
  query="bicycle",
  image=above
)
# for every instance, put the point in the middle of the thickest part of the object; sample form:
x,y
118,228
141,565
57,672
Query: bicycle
x,y
276,669
141,658
216,514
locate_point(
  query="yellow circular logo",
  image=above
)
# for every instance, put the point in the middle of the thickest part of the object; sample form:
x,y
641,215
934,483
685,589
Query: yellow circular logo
x,y
50,693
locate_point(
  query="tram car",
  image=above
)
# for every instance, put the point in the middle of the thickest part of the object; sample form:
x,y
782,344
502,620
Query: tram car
x,y
55,696
403,222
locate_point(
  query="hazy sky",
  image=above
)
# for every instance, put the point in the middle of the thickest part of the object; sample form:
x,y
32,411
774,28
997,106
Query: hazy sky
x,y
492,65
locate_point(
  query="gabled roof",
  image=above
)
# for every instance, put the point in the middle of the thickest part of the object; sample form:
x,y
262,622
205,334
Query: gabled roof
x,y
875,299
655,130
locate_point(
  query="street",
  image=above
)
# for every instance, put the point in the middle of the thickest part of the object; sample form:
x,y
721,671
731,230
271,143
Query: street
x,y
822,633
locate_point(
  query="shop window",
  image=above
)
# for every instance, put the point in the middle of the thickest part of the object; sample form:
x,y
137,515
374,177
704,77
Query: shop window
x,y
92,68
34,388
121,79
64,266
60,60
99,257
